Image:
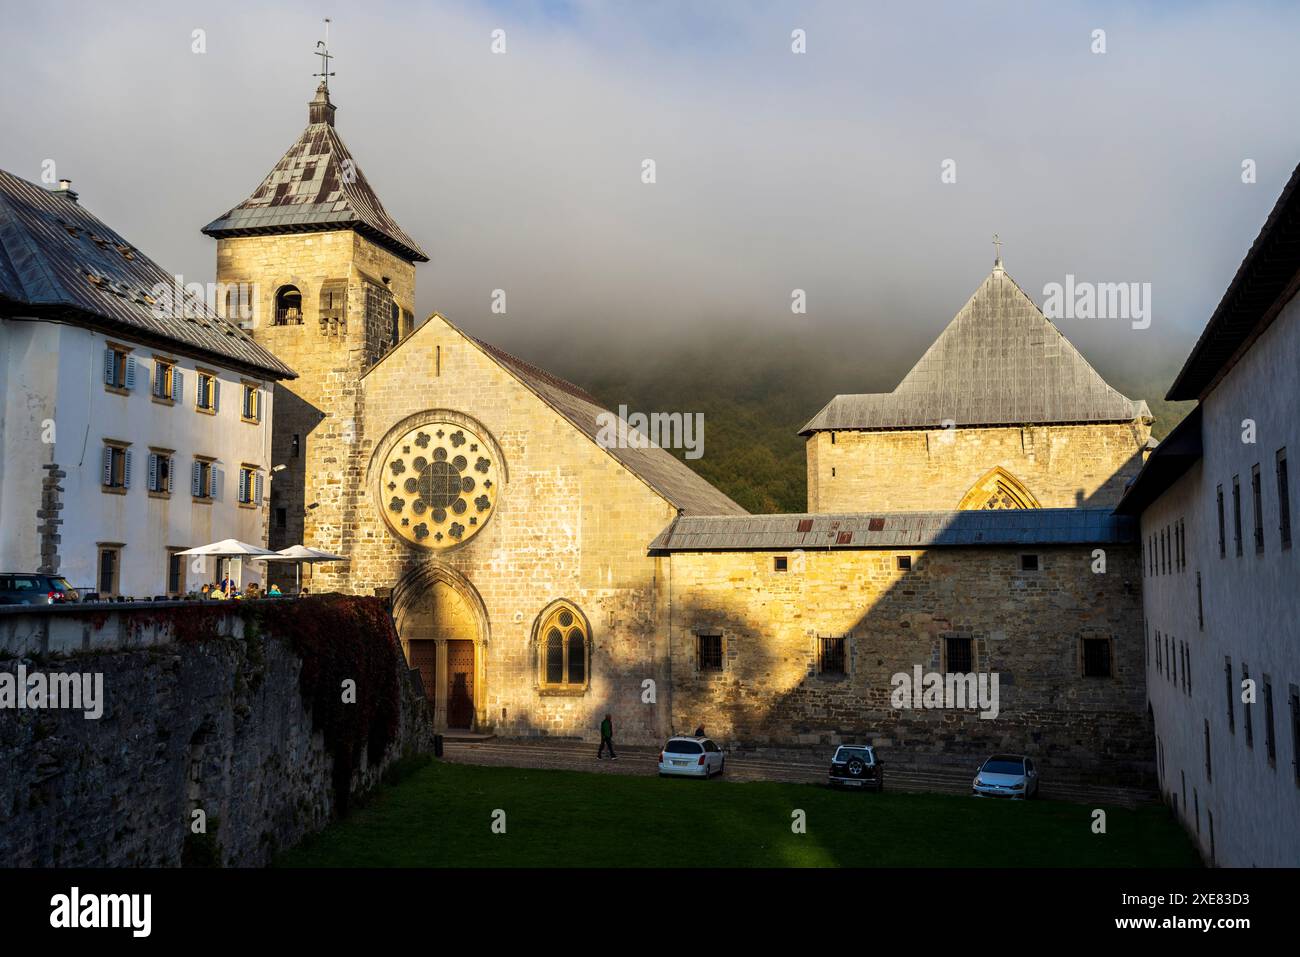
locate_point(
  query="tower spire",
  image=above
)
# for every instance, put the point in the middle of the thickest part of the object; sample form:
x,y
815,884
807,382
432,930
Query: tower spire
x,y
323,51
321,110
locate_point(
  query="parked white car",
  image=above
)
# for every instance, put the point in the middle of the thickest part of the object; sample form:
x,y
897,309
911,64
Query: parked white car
x,y
1006,775
691,757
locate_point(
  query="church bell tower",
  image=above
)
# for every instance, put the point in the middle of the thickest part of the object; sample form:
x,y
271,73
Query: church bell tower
x,y
313,266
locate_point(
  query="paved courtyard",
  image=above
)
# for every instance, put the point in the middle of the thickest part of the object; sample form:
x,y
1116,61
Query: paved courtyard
x,y
787,766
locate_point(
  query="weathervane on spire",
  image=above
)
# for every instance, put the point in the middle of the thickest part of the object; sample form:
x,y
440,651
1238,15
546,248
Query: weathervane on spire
x,y
323,51
997,260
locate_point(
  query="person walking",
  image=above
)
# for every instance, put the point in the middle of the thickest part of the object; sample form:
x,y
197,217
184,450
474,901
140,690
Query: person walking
x,y
606,739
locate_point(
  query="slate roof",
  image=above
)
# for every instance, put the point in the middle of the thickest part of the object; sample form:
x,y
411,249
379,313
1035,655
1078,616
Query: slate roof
x,y
1021,527
316,185
1266,281
657,467
999,362
60,262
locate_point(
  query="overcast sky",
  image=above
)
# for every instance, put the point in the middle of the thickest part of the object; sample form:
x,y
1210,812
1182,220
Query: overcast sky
x,y
775,171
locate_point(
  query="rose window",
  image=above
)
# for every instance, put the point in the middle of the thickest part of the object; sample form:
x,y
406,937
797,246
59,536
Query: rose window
x,y
436,495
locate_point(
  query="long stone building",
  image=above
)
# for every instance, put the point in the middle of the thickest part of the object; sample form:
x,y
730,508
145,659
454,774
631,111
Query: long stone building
x,y
542,575
1221,572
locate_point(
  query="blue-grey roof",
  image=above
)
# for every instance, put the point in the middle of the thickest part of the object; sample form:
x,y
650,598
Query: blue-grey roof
x,y
999,362
59,261
1039,526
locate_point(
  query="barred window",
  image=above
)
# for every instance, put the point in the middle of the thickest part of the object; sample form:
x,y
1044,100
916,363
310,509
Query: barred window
x,y
830,656
708,652
960,655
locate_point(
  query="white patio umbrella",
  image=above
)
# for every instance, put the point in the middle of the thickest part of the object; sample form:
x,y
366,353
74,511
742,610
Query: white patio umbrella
x,y
230,548
301,555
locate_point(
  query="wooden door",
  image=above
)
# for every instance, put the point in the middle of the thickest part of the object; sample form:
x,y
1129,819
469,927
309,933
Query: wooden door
x,y
424,659
460,684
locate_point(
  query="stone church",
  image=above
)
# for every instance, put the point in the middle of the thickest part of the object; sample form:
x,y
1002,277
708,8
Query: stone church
x,y
962,523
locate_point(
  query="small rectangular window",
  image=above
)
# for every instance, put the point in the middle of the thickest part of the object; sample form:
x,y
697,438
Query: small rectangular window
x,y
904,562
708,652
1236,514
1232,709
252,403
780,563
1096,658
1029,563
207,395
1223,545
831,656
1270,742
163,370
1257,500
175,572
160,472
281,518
1248,721
109,562
1200,605
960,655
1209,768
1295,732
250,485
1283,503
116,467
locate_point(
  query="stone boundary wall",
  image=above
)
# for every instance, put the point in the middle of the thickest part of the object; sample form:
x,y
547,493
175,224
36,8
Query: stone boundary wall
x,y
218,725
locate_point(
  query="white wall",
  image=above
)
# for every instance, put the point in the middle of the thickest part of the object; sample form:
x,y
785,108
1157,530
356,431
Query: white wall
x,y
1252,614
56,372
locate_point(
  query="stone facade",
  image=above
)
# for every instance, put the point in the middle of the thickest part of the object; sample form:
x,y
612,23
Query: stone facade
x,y
317,413
1026,626
1062,466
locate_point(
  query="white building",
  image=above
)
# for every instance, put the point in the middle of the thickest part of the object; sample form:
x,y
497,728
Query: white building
x,y
1222,570
130,430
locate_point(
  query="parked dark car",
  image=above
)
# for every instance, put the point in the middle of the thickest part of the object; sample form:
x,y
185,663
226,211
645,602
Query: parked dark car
x,y
857,766
23,588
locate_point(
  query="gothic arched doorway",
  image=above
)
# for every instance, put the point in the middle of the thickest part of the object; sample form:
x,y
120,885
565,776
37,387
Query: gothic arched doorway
x,y
444,627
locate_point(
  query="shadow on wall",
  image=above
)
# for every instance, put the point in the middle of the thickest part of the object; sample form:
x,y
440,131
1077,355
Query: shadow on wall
x,y
956,609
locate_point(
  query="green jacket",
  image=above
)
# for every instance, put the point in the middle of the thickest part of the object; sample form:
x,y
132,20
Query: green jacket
x,y
607,728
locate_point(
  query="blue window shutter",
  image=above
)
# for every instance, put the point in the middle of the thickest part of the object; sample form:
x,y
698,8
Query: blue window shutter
x,y
196,475
258,496
130,372
215,482
153,472
108,465
126,470
177,388
216,394
170,463
108,366
243,485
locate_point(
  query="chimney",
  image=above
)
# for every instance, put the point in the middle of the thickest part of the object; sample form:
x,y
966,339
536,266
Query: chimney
x,y
65,190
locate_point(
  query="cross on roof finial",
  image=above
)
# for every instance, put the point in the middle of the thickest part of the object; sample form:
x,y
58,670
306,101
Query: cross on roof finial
x,y
323,51
997,260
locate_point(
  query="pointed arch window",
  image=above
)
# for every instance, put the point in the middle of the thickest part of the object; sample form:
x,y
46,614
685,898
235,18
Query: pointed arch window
x,y
996,490
564,641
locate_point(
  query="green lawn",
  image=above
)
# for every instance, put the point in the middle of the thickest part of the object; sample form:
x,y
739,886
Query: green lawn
x,y
441,816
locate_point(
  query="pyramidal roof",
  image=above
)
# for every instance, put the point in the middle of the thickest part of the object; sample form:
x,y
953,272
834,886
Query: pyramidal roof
x,y
317,185
999,362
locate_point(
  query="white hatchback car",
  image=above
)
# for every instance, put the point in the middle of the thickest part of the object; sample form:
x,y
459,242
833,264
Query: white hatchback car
x,y
691,757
